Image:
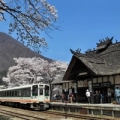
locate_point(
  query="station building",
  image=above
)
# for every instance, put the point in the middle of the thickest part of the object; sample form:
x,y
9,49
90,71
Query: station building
x,y
96,70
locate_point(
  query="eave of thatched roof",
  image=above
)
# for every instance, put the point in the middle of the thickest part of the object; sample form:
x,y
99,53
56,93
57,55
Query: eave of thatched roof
x,y
103,63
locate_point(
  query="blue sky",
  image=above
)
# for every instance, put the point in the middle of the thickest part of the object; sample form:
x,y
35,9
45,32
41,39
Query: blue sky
x,y
82,23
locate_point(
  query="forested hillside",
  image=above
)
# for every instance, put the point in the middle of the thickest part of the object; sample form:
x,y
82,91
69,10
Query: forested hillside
x,y
11,48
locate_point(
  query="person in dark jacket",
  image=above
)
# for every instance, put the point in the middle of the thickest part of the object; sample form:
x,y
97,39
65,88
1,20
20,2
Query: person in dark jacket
x,y
92,97
97,97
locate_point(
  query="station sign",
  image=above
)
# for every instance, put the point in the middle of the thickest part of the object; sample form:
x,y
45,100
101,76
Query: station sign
x,y
106,84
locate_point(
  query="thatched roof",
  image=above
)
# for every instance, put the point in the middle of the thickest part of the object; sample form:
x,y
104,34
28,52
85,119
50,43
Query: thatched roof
x,y
102,61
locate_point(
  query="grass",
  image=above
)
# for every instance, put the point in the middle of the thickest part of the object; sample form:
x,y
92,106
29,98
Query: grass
x,y
4,118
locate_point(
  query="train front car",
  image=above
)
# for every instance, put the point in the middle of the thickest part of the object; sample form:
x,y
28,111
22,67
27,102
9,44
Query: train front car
x,y
41,96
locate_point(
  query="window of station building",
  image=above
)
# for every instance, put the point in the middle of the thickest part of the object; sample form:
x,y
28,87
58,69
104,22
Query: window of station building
x,y
105,79
100,80
117,79
70,84
67,86
94,80
111,80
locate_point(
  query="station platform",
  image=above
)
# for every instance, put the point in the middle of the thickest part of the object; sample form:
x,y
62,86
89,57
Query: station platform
x,y
84,108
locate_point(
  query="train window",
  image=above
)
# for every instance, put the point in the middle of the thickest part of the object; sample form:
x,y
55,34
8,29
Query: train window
x,y
22,92
5,94
19,93
46,90
27,92
1,93
15,93
12,93
35,90
41,91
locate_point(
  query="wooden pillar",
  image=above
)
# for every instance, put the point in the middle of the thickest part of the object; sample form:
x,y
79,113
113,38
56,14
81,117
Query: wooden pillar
x,y
102,79
97,79
92,83
107,78
114,85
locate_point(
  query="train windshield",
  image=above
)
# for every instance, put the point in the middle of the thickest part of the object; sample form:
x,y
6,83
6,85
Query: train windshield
x,y
35,90
46,90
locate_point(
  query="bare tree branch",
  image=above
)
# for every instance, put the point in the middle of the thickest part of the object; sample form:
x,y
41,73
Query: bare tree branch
x,y
29,18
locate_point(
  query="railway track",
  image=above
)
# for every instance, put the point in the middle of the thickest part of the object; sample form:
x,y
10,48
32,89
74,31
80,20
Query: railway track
x,y
37,115
20,116
79,116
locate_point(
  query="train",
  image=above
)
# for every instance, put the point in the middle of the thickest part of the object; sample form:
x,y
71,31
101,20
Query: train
x,y
34,96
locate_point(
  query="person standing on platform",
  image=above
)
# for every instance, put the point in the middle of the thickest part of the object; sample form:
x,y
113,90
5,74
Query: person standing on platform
x,y
97,97
54,97
101,97
117,94
88,95
71,97
63,97
109,96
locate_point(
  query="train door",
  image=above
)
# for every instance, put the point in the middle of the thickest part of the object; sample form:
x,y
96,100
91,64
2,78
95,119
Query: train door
x,y
41,93
47,93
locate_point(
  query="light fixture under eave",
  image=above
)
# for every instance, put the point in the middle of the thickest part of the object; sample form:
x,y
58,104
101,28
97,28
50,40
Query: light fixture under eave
x,y
83,73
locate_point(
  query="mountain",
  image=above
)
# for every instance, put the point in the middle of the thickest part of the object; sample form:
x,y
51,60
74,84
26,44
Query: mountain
x,y
11,48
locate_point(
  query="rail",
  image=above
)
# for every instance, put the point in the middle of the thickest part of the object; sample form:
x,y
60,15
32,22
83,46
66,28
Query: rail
x,y
79,116
21,116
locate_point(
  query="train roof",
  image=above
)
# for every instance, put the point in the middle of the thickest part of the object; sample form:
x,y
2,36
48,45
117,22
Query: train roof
x,y
19,87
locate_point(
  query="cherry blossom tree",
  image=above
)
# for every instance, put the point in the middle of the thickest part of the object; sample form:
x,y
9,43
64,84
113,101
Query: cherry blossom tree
x,y
34,70
54,70
28,19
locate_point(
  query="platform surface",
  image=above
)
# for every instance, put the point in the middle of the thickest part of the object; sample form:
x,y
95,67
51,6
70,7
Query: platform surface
x,y
111,105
